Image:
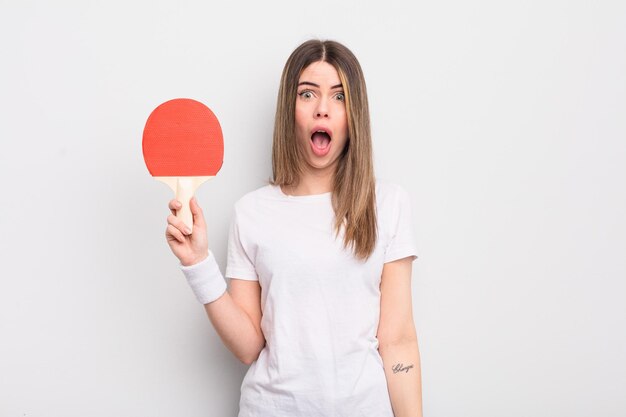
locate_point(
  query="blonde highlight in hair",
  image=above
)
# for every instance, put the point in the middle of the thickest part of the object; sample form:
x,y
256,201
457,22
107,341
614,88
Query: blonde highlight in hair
x,y
353,197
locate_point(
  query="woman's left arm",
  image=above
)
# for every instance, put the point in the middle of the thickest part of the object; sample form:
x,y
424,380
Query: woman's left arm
x,y
397,340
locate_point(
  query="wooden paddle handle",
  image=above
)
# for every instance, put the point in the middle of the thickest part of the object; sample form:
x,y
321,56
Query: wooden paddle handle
x,y
184,188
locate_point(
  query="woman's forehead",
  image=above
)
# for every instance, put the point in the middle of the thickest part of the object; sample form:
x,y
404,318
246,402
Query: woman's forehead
x,y
320,73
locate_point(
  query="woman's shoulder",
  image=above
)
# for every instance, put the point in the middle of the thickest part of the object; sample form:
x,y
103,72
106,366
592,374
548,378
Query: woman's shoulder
x,y
391,199
254,197
389,191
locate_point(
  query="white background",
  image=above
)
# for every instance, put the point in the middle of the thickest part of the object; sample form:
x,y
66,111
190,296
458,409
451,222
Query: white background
x,y
505,121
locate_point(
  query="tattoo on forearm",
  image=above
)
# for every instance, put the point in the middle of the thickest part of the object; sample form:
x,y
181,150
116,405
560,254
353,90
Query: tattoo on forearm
x,y
399,367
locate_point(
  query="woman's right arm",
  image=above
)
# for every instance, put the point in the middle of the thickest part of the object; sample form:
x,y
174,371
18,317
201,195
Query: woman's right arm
x,y
236,314
236,317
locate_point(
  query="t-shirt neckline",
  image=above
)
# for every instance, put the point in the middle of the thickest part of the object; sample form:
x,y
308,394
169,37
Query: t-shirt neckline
x,y
307,197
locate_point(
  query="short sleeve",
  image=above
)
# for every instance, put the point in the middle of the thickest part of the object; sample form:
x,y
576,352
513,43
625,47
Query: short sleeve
x,y
238,264
402,241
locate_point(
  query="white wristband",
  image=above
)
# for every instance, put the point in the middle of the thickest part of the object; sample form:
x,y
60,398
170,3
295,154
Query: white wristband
x,y
205,279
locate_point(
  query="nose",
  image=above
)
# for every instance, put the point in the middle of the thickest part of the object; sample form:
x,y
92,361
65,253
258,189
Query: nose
x,y
322,110
320,115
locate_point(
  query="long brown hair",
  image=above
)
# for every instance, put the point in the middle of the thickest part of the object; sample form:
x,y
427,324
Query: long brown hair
x,y
353,197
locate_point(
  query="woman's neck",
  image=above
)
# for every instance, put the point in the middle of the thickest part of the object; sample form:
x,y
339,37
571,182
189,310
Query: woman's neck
x,y
310,183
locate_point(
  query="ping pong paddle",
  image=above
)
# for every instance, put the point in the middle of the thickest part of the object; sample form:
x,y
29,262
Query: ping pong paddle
x,y
183,147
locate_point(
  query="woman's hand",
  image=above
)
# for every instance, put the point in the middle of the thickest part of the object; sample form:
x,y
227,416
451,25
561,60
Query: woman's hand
x,y
189,248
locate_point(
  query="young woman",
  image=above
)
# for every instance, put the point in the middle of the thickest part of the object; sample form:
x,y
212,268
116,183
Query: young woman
x,y
319,260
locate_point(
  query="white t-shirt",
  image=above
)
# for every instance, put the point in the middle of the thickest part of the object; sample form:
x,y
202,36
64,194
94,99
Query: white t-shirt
x,y
321,306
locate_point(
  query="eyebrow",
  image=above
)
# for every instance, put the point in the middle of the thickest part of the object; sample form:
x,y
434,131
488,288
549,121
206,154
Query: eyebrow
x,y
317,85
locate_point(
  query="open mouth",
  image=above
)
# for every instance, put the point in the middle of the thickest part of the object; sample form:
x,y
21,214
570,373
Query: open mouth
x,y
320,141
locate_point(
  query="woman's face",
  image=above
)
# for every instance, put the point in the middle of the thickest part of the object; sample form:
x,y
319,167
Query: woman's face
x,y
321,119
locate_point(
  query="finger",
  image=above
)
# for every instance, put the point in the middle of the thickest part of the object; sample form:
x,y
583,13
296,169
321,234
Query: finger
x,y
174,205
172,233
196,211
178,224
